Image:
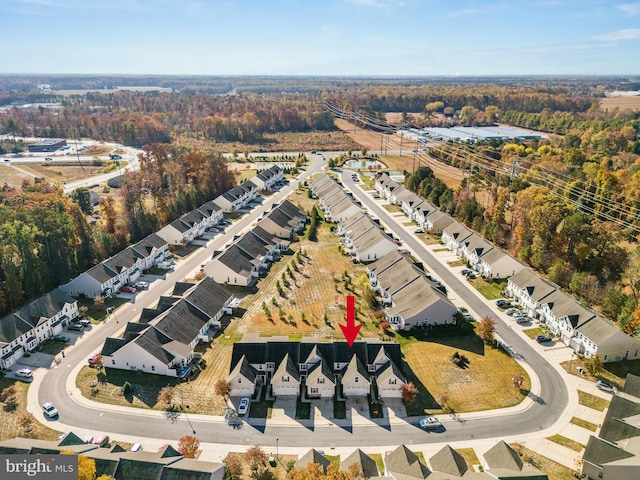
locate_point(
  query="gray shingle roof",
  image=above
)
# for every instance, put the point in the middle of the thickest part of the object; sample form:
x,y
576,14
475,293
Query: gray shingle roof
x,y
313,456
502,455
449,461
364,462
404,462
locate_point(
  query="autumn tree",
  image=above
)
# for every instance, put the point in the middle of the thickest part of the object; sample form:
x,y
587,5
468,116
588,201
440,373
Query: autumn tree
x,y
105,477
593,365
233,466
409,394
486,330
188,446
82,197
255,457
222,388
166,395
86,468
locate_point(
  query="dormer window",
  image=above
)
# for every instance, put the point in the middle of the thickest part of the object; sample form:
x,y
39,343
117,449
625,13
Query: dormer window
x,y
321,380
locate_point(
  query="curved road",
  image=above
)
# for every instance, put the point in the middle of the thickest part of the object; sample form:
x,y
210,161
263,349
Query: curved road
x,y
552,399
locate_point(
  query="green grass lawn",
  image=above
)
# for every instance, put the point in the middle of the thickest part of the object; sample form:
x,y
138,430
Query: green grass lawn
x,y
378,459
52,347
584,424
490,290
592,401
566,442
303,410
457,263
96,313
532,333
261,409
469,455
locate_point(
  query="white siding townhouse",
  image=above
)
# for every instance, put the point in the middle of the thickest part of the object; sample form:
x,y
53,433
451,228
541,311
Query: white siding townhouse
x,y
420,212
473,248
382,179
268,178
229,202
316,370
437,221
37,321
124,267
318,182
234,266
410,298
600,337
212,213
564,315
164,340
366,241
399,195
453,235
498,264
185,229
529,290
340,207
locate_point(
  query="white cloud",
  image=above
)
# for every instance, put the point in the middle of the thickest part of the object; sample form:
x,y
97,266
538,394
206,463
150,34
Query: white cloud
x,y
630,8
463,13
623,34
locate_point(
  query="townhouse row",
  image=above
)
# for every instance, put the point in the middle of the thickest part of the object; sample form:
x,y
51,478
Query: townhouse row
x,y
164,339
578,327
165,464
308,369
47,316
499,462
242,263
409,297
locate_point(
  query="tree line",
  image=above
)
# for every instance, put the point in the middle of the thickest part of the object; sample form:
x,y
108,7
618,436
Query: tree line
x,y
46,239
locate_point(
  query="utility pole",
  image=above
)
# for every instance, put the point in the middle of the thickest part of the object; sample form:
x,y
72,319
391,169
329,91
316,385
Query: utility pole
x,y
355,121
401,137
513,170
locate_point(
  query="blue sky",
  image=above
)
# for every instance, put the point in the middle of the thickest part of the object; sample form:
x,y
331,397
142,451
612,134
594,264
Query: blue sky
x,y
320,37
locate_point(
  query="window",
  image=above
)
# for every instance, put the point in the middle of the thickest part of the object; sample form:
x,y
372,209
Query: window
x,y
285,379
113,362
239,379
153,368
303,367
605,357
320,380
271,365
314,390
392,381
356,379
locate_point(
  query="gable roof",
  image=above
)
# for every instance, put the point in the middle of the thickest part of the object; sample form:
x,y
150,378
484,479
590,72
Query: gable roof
x,y
536,287
449,461
243,368
563,305
354,368
313,456
502,455
405,462
365,463
287,367
145,246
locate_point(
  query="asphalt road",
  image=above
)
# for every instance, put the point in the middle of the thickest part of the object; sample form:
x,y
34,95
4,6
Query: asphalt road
x,y
552,399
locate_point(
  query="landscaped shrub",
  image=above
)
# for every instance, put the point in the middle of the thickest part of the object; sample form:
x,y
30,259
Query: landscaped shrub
x,y
126,388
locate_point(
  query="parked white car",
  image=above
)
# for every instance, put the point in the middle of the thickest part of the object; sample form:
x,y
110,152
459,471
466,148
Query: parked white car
x,y
243,407
24,373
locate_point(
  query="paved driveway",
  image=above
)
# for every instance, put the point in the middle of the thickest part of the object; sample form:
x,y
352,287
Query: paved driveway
x,y
37,360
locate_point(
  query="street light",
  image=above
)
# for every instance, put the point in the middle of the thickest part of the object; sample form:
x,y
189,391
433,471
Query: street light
x,y
185,412
277,456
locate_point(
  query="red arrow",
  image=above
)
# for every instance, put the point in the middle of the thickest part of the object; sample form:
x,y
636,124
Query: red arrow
x,y
350,330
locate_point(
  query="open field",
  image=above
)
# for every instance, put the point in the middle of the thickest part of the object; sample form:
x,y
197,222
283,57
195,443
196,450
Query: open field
x,y
621,103
487,373
288,142
17,422
14,175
